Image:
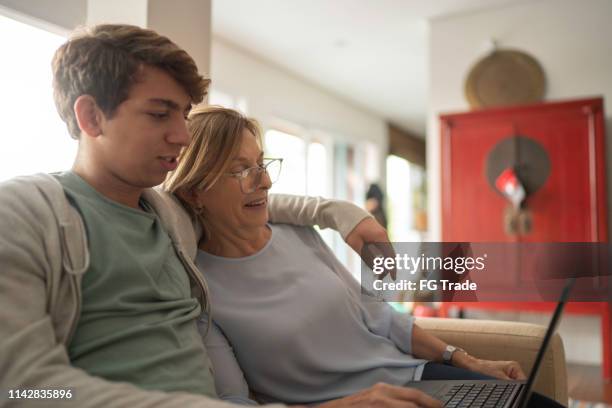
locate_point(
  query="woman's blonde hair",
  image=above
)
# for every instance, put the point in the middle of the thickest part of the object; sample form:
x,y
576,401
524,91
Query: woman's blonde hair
x,y
216,138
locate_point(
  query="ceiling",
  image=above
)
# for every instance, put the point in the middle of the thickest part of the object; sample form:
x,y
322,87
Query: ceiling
x,y
372,53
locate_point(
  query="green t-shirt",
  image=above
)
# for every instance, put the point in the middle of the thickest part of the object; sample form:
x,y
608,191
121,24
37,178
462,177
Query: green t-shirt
x,y
138,318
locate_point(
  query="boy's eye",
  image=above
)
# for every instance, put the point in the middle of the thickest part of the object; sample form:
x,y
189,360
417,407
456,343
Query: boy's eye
x,y
159,115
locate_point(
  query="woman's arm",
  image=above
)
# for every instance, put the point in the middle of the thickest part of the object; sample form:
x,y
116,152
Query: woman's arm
x,y
230,384
379,317
429,347
398,327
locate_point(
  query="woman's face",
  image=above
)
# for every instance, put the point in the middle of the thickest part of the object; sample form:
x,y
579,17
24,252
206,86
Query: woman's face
x,y
226,205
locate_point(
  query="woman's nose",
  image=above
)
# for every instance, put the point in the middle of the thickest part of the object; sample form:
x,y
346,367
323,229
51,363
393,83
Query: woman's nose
x,y
266,181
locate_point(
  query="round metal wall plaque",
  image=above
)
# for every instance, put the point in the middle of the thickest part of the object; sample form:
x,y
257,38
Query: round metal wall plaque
x,y
526,156
505,77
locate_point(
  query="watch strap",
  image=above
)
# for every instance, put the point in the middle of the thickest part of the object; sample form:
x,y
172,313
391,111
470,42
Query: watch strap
x,y
447,356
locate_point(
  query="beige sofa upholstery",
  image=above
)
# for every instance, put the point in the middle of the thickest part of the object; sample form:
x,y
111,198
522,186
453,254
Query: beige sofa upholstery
x,y
497,340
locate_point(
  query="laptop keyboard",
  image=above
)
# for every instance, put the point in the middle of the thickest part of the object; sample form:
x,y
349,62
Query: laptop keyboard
x,y
478,395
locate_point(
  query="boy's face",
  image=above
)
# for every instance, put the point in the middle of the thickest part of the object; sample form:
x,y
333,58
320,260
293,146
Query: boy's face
x,y
140,143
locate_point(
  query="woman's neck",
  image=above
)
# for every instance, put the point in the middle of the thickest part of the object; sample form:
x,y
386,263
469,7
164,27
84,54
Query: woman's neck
x,y
234,243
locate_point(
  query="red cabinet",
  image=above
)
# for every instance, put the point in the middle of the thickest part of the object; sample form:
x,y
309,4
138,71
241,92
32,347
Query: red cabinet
x,y
559,149
570,205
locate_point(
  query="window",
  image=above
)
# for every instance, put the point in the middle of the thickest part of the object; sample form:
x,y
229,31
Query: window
x,y
305,168
293,151
217,97
406,200
316,168
33,138
317,165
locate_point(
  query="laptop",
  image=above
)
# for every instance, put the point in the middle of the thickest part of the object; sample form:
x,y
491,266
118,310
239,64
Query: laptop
x,y
494,393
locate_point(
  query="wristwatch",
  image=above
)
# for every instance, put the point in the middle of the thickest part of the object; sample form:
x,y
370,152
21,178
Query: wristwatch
x,y
447,356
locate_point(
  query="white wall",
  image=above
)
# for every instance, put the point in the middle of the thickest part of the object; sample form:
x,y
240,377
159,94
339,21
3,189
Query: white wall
x,y
571,39
66,15
273,93
189,26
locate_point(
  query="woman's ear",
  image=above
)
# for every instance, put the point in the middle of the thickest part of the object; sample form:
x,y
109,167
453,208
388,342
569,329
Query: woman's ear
x,y
190,197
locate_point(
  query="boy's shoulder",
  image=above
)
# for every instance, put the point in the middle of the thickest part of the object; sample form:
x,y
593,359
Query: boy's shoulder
x,y
31,182
36,192
36,211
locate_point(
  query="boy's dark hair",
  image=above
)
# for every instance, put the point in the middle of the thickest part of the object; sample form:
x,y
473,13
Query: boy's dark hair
x,y
103,61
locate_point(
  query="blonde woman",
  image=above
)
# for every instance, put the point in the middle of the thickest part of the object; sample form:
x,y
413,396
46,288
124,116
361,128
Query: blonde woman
x,y
288,321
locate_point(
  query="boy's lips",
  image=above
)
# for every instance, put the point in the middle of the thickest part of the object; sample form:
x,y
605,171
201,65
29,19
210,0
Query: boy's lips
x,y
169,163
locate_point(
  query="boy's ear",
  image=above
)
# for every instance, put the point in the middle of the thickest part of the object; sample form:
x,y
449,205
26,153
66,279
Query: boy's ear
x,y
88,115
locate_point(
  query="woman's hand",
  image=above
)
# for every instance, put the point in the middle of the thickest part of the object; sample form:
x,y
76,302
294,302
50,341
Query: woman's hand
x,y
385,396
504,370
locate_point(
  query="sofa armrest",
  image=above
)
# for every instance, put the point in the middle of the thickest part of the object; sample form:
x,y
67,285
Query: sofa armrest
x,y
500,340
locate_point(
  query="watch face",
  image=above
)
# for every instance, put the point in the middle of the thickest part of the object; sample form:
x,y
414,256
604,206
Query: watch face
x,y
448,353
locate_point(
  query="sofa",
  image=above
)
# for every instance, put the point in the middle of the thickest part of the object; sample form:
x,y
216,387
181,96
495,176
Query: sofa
x,y
500,340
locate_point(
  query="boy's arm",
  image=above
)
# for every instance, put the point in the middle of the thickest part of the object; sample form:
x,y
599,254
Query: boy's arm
x,y
32,356
355,224
339,215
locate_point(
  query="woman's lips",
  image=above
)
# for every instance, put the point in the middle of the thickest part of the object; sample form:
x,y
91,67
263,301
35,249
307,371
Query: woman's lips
x,y
257,204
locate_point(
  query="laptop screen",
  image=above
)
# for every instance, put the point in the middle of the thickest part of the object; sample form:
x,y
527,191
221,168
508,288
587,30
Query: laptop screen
x,y
526,391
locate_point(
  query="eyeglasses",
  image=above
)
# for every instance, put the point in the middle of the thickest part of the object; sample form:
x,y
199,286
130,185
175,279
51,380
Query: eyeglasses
x,y
250,179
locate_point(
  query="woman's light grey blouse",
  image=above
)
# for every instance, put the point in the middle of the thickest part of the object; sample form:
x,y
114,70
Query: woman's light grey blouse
x,y
292,319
